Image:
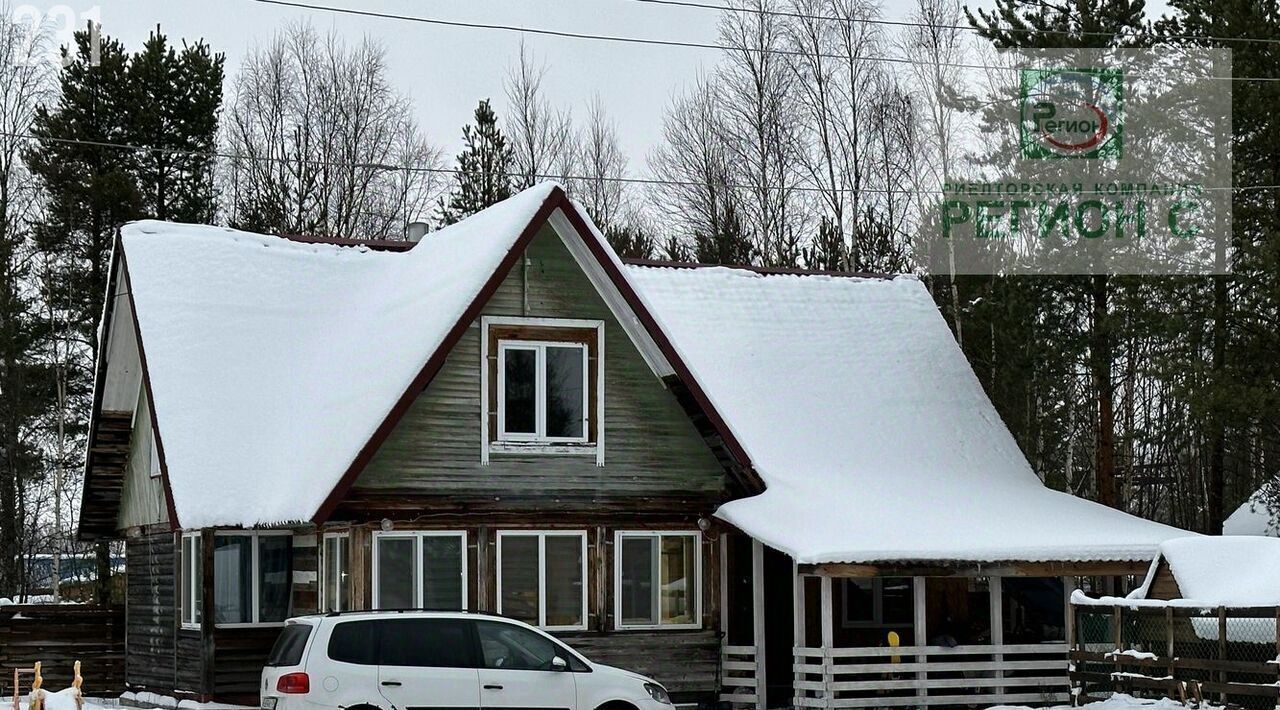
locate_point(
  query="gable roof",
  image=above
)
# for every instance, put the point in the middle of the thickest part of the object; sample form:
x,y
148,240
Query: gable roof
x,y
873,436
276,367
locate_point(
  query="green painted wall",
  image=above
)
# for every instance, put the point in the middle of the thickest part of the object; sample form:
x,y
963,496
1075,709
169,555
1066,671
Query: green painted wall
x,y
142,498
650,445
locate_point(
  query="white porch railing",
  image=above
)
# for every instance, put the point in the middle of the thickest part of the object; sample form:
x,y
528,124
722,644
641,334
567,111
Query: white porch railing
x,y
930,675
738,675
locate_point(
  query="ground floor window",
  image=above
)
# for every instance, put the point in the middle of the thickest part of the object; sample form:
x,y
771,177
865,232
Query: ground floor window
x,y
420,570
542,578
1035,609
869,609
191,575
657,580
252,576
335,568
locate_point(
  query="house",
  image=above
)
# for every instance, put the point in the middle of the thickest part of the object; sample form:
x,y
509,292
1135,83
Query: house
x,y
1253,517
752,485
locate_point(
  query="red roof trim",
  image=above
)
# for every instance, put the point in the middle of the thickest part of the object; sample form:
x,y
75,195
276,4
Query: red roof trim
x,y
557,199
151,400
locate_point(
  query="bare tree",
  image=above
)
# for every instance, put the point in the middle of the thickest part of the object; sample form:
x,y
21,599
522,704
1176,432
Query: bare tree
x,y
601,168
323,144
541,137
761,127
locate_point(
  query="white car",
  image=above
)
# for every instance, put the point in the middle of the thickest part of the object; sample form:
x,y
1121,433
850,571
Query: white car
x,y
423,660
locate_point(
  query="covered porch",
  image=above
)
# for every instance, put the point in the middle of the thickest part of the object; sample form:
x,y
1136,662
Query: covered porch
x,y
897,635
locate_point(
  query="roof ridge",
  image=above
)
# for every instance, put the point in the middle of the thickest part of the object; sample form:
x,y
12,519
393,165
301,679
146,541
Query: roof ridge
x,y
762,270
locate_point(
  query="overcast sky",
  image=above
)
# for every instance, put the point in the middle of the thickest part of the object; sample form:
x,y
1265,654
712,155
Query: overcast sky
x,y
446,70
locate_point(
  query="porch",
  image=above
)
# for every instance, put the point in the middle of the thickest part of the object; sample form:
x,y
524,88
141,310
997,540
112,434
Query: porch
x,y
859,636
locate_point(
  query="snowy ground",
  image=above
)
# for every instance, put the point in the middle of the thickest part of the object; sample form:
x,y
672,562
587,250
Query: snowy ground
x,y
1119,701
65,700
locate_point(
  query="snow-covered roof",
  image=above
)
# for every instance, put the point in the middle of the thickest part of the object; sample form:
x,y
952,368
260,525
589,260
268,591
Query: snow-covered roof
x,y
1237,571
870,430
1252,518
272,362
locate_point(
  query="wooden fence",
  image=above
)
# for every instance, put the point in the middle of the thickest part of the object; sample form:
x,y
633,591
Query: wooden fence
x,y
60,635
1221,655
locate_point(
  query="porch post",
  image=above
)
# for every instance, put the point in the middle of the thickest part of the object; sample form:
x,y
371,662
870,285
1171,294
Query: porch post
x,y
757,617
995,585
828,642
797,625
921,633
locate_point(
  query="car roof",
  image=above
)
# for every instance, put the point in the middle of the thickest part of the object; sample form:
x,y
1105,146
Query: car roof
x,y
399,613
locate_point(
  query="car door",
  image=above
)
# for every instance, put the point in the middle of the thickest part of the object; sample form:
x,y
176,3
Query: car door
x,y
427,663
517,670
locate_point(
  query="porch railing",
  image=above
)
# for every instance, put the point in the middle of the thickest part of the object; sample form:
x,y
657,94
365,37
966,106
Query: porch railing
x,y
930,675
738,675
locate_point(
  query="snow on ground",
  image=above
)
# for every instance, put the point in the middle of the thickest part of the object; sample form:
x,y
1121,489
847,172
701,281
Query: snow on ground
x,y
1119,701
65,700
868,425
272,362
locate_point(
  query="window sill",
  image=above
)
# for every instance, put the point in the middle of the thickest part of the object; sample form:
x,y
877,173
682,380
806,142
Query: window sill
x,y
251,625
658,627
544,448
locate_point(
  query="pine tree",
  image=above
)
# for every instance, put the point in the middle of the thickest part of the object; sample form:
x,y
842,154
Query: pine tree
x,y
484,168
728,243
175,101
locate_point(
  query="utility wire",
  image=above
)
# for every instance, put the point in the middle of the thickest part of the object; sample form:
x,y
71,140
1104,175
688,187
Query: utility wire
x,y
664,42
924,25
547,176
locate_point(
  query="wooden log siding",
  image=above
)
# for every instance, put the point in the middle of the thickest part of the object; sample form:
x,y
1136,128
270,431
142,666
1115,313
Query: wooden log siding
x,y
107,456
687,663
238,658
650,446
60,635
151,615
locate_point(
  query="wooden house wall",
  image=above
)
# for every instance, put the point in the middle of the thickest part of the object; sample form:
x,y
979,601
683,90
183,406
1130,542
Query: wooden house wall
x,y
650,446
142,500
1163,584
151,618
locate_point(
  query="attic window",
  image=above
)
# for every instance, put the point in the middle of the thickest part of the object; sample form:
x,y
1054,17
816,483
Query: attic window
x,y
542,385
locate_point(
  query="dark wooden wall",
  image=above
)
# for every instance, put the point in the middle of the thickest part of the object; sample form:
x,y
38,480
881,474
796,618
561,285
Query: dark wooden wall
x,y
59,635
151,616
687,663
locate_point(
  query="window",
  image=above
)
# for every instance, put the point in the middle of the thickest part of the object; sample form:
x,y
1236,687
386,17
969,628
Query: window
x,y
335,562
289,646
877,602
658,580
425,643
354,642
542,578
542,389
192,580
511,648
252,577
420,570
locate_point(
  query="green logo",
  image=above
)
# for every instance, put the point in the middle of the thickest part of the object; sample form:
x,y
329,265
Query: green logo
x,y
1071,113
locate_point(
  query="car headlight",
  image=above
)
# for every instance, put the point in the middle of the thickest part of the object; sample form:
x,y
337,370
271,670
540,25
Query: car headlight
x,y
658,693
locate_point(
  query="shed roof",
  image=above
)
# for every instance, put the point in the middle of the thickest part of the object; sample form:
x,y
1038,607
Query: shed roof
x,y
1253,517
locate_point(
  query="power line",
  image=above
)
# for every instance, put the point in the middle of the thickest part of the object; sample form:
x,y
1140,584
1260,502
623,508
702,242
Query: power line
x,y
548,176
624,39
924,25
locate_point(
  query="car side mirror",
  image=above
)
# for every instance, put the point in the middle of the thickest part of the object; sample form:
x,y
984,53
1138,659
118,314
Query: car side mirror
x,y
559,664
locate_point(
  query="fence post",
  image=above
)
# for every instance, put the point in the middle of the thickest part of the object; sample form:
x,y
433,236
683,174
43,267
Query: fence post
x,y
1168,645
1278,654
1117,637
1222,650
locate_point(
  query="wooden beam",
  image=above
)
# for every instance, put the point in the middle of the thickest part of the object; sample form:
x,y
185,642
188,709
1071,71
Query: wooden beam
x,y
757,617
976,569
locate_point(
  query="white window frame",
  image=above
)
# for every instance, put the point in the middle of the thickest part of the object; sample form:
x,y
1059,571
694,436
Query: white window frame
x,y
343,591
417,536
524,443
186,568
255,581
656,535
542,535
539,435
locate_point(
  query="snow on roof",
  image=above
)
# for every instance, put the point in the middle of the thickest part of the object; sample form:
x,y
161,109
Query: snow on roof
x,y
1239,571
1252,518
272,362
874,438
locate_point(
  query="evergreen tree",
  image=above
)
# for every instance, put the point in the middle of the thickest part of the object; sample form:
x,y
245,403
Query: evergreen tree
x,y
728,242
175,101
484,168
630,242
